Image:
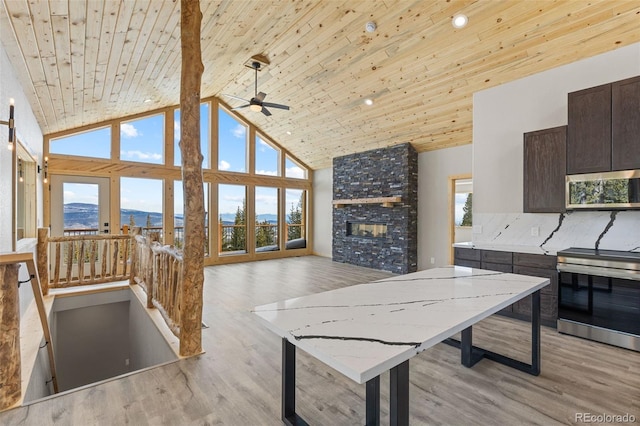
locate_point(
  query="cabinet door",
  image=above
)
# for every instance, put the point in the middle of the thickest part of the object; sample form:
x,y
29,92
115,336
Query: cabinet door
x,y
544,170
589,131
625,124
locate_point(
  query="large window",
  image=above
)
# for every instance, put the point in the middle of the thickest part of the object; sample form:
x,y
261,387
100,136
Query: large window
x,y
266,218
267,158
293,169
141,204
232,223
296,218
92,143
232,143
143,140
178,215
205,124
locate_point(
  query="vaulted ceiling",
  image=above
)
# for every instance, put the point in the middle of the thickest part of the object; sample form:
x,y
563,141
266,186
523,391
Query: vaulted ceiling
x,y
86,61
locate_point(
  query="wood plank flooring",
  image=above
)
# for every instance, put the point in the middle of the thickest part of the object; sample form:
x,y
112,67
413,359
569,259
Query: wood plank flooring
x,y
237,380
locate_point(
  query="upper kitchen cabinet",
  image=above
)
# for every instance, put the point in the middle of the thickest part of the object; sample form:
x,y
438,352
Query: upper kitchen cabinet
x,y
589,130
544,170
604,128
625,124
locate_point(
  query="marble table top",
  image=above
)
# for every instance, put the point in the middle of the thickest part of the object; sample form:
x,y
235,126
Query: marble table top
x,y
367,329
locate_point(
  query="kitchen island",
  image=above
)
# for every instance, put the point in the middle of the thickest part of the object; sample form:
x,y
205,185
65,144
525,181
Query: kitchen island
x,y
364,330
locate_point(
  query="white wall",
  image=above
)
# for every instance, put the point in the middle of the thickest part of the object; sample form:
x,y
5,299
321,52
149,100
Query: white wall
x,y
29,134
500,117
322,212
434,169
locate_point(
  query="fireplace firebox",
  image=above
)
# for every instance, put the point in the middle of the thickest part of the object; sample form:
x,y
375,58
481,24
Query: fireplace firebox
x,y
367,230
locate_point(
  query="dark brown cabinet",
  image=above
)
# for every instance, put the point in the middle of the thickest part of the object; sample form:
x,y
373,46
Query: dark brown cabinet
x,y
625,124
604,128
536,265
544,170
466,257
589,130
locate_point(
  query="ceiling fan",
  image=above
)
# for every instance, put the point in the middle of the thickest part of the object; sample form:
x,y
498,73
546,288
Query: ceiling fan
x,y
257,103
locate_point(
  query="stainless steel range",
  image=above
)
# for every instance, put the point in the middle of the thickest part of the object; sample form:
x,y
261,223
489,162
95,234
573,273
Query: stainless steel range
x,y
599,295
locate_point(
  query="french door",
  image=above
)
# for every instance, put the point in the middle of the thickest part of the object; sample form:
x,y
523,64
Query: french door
x,y
79,205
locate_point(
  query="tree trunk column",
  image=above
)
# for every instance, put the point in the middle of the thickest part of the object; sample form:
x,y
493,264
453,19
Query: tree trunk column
x,y
193,266
42,253
10,375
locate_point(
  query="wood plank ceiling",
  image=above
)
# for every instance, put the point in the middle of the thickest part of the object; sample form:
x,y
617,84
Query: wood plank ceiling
x,y
86,61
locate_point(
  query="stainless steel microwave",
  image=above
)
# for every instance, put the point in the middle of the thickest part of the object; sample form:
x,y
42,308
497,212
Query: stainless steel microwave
x,y
604,191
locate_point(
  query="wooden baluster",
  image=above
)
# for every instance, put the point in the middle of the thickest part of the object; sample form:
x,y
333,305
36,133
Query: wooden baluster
x,y
135,256
92,260
105,252
70,249
81,261
125,257
56,271
114,259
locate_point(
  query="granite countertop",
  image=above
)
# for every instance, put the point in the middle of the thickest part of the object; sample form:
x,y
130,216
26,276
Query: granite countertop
x,y
367,329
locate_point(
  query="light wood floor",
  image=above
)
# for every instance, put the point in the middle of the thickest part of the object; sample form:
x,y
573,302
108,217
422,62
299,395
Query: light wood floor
x,y
237,381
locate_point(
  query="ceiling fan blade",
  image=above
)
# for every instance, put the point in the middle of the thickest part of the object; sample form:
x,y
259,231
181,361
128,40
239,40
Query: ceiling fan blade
x,y
235,97
241,106
275,105
260,96
265,111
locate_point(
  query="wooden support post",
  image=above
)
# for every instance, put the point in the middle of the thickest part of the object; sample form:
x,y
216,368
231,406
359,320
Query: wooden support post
x,y
42,250
10,374
193,267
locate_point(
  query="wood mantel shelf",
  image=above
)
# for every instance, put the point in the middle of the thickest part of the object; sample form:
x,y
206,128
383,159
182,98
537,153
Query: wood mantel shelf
x,y
385,201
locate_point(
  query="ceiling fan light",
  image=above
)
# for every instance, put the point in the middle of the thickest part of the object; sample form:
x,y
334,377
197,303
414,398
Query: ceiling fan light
x,y
255,107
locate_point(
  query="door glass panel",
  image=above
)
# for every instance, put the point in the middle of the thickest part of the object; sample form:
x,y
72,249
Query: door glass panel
x,y
81,208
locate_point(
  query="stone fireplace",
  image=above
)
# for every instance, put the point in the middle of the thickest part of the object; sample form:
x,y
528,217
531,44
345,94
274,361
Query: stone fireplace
x,y
375,215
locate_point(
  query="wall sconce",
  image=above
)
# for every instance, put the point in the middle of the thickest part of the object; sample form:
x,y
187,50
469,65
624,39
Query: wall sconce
x,y
44,168
20,175
10,123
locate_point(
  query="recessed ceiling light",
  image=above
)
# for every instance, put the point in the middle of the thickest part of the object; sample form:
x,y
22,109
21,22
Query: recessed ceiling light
x,y
459,21
368,101
146,101
289,133
370,27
